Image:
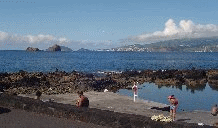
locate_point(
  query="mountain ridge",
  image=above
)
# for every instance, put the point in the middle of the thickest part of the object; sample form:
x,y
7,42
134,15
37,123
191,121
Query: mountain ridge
x,y
176,45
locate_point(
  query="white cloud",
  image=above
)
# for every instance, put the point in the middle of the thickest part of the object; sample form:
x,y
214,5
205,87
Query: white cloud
x,y
3,35
39,38
170,29
15,41
28,38
62,39
185,29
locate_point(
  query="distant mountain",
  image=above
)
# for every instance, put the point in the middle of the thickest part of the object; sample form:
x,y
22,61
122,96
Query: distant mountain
x,y
83,50
177,45
65,49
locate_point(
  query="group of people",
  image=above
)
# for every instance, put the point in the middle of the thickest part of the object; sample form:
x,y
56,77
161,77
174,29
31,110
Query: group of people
x,y
173,102
84,102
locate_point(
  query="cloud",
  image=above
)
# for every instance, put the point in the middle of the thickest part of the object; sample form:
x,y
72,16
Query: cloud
x,y
21,42
39,38
3,35
62,40
28,38
185,29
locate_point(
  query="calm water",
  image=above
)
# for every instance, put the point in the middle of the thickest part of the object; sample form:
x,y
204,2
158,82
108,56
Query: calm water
x,y
13,61
188,101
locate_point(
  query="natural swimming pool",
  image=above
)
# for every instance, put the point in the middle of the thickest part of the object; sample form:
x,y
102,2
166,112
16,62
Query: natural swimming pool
x,y
189,100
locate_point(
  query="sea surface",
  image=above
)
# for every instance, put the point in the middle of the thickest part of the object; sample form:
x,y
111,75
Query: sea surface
x,y
93,62
13,61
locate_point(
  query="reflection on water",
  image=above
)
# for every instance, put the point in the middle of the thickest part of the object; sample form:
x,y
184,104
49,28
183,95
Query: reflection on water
x,y
195,98
191,88
213,86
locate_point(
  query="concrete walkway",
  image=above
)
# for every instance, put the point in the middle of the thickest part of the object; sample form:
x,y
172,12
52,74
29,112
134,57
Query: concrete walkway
x,y
118,103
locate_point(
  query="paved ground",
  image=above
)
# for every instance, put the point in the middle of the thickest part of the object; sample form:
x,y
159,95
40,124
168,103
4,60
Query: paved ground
x,y
114,102
15,118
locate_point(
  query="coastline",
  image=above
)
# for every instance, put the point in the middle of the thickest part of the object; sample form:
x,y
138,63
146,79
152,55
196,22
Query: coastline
x,y
61,82
61,87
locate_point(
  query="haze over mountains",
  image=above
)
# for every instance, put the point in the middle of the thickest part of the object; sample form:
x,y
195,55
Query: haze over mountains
x,y
176,45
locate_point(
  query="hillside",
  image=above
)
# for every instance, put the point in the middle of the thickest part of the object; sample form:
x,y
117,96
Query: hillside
x,y
177,45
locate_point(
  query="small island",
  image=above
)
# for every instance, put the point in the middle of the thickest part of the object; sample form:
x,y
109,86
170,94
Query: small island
x,y
54,48
31,49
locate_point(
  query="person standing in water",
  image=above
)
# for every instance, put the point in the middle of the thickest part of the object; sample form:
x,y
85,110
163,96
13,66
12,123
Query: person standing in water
x,y
173,106
135,90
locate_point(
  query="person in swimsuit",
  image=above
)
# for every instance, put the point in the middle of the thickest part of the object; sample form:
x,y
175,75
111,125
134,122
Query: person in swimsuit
x,y
173,106
135,90
214,110
83,101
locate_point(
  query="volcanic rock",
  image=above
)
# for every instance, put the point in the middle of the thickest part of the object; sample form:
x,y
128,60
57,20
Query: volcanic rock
x,y
54,48
31,49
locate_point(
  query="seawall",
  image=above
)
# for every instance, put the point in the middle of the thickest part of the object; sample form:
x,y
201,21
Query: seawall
x,y
91,115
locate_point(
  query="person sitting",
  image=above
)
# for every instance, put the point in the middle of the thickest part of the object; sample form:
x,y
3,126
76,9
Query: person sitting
x,y
83,101
38,94
214,110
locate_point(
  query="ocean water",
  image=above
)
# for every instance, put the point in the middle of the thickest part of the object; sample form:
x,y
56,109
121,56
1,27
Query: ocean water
x,y
13,61
92,62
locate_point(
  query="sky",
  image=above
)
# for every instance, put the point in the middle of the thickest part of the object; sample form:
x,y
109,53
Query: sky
x,y
97,24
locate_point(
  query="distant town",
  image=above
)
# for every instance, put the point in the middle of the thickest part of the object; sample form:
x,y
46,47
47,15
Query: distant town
x,y
177,45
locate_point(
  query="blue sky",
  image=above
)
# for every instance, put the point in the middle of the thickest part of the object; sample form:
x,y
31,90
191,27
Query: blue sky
x,y
97,24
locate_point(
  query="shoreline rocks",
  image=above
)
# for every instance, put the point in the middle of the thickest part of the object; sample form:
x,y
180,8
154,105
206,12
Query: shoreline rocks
x,y
62,82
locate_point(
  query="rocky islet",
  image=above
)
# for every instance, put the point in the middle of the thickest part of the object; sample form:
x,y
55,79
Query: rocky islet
x,y
31,49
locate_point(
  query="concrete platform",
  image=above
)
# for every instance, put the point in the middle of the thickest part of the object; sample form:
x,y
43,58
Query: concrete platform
x,y
123,104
